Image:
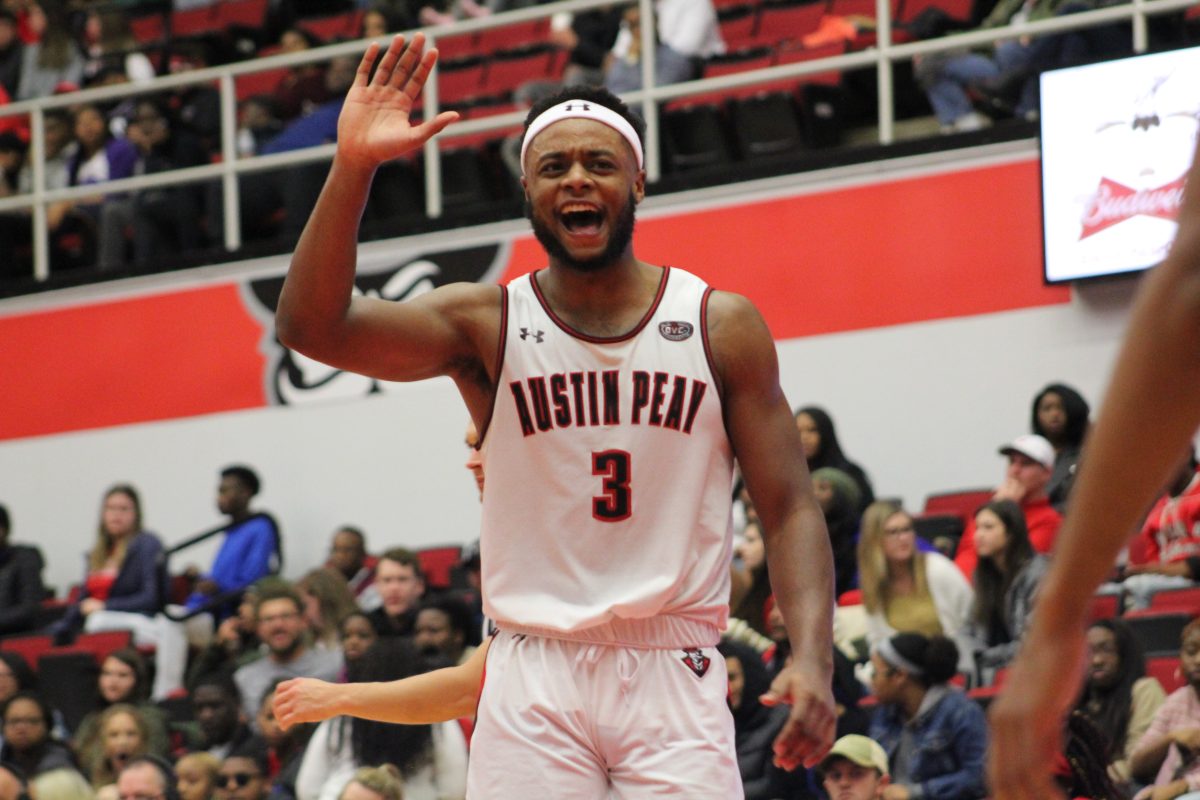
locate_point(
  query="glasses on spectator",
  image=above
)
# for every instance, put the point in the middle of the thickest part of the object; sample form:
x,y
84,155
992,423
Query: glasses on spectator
x,y
898,530
31,721
238,779
284,617
135,796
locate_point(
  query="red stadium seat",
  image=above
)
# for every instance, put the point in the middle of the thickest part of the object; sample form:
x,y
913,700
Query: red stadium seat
x,y
963,502
510,37
31,648
509,69
789,22
1166,670
102,643
1104,606
438,563
1186,600
245,13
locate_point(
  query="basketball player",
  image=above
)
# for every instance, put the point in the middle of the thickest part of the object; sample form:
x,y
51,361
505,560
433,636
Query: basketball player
x,y
1151,412
612,397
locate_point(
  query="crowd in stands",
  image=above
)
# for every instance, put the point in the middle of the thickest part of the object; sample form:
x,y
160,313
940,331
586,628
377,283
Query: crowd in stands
x,y
922,642
54,46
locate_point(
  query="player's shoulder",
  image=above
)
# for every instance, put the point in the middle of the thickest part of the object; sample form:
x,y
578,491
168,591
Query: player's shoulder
x,y
473,300
732,316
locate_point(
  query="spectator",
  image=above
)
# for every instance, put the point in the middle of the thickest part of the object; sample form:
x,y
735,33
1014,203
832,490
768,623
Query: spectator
x,y
856,768
432,758
250,544
197,107
376,24
1165,756
401,584
907,590
54,63
62,784
11,50
12,783
587,36
1061,416
146,777
446,12
444,630
751,586
281,627
243,776
235,643
123,681
98,157
1006,583
21,588
841,503
303,88
1118,696
946,77
358,634
163,219
348,555
285,749
16,676
124,588
109,44
1170,539
822,449
375,783
28,741
327,600
1030,465
257,124
755,726
687,34
196,776
217,707
121,735
934,735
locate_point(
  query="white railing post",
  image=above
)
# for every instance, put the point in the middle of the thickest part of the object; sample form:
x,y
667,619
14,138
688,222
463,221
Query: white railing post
x,y
41,227
884,72
232,221
432,152
649,46
1141,31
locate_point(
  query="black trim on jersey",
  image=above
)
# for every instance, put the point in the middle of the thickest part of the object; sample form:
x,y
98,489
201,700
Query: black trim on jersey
x,y
712,364
502,345
662,290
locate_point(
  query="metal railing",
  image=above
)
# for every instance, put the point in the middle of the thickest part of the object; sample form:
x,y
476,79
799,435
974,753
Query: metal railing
x,y
881,56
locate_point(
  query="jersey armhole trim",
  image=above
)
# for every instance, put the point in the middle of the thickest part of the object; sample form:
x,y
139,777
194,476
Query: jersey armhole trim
x,y
708,354
500,347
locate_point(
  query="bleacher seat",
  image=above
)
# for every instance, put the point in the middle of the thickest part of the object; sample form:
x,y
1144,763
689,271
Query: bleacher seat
x,y
68,680
765,125
1185,600
1166,670
460,78
739,25
464,178
1158,631
963,503
244,13
514,36
509,69
256,83
30,648
338,26
1104,606
792,55
694,137
438,564
779,21
101,644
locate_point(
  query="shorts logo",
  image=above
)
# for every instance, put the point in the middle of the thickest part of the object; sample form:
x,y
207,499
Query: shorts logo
x,y
696,661
675,331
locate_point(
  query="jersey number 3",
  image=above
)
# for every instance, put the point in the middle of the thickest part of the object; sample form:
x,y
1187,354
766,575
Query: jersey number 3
x,y
616,503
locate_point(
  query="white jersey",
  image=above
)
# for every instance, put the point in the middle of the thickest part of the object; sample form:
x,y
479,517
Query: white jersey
x,y
606,516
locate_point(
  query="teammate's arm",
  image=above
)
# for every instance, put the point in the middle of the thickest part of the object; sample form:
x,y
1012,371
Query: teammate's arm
x,y
1151,411
317,314
437,696
799,559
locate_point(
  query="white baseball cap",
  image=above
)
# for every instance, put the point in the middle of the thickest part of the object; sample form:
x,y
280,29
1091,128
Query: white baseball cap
x,y
1032,446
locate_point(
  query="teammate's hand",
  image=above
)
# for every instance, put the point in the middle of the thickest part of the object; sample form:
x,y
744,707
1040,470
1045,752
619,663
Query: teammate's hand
x,y
1027,718
375,125
808,733
304,700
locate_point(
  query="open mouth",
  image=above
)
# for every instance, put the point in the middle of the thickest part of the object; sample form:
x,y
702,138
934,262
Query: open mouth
x,y
582,221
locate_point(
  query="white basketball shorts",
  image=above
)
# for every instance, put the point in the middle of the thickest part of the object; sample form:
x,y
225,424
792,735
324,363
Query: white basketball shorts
x,y
575,721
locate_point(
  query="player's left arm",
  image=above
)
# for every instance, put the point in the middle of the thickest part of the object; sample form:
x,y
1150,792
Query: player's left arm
x,y
799,560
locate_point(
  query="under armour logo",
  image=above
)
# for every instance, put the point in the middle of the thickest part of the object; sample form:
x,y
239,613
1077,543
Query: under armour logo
x,y
580,106
537,335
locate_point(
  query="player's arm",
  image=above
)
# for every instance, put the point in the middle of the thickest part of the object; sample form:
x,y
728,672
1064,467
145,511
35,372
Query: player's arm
x,y
799,559
1151,411
317,314
437,696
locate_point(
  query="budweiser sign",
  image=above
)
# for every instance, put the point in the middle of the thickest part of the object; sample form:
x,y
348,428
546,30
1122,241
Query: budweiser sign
x,y
1113,203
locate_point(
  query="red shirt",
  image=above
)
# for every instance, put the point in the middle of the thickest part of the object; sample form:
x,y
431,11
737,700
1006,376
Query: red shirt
x,y
100,582
1172,529
1042,521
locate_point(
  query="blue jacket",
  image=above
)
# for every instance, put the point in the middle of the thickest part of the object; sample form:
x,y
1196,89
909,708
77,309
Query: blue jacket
x,y
244,557
949,744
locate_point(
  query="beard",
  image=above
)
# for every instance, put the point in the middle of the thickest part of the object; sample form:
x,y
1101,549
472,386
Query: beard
x,y
618,240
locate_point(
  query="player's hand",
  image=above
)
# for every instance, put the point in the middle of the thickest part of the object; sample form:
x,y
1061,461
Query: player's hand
x,y
1027,718
304,700
375,124
808,733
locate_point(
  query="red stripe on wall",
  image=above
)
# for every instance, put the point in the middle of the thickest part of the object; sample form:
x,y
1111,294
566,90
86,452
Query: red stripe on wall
x,y
114,363
933,247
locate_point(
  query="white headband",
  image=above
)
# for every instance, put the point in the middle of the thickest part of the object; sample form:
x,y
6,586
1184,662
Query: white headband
x,y
888,652
582,109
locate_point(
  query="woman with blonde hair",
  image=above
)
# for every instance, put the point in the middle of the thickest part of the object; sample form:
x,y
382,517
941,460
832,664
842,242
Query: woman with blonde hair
x,y
121,735
906,590
61,784
327,601
375,783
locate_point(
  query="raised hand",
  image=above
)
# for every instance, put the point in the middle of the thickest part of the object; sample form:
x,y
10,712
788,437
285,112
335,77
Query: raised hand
x,y
375,124
808,733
